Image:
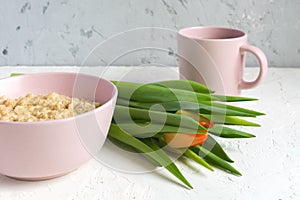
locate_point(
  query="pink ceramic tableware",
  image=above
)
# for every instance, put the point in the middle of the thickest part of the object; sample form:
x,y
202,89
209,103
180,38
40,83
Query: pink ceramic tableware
x,y
48,149
215,56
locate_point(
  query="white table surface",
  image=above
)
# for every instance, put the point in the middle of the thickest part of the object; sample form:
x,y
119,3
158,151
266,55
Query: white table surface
x,y
270,163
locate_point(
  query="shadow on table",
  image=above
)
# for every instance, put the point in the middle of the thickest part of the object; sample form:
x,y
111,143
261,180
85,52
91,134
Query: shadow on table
x,y
127,161
11,184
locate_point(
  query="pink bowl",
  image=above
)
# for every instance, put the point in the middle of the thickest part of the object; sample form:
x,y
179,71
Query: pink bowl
x,y
48,149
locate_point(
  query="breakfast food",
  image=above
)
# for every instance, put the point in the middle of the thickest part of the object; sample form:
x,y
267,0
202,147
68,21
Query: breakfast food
x,y
52,106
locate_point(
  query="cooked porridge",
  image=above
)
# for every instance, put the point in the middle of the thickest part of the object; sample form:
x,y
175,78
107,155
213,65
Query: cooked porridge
x,y
43,107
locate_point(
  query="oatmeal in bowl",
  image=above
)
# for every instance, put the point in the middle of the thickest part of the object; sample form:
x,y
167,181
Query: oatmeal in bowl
x,y
41,107
52,123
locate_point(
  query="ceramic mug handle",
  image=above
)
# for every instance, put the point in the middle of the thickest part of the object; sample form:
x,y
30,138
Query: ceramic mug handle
x,y
263,63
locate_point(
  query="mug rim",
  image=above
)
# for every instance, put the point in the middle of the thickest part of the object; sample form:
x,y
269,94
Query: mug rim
x,y
182,33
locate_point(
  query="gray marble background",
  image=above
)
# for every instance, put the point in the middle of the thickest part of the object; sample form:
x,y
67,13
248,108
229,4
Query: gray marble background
x,y
64,32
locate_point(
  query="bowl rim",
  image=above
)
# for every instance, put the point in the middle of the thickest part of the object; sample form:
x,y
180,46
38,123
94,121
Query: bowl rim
x,y
73,118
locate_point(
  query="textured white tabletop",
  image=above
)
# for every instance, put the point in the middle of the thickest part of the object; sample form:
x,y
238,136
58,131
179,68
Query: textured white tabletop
x,y
270,163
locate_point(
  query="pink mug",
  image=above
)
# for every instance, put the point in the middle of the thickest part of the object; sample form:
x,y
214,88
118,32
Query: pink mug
x,y
215,56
